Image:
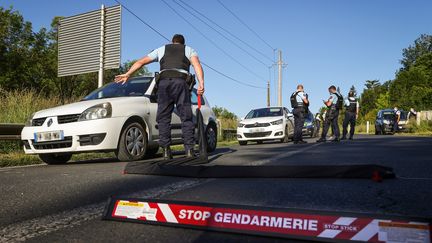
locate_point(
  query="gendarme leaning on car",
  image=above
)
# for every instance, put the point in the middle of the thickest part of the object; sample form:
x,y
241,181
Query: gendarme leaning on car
x,y
173,89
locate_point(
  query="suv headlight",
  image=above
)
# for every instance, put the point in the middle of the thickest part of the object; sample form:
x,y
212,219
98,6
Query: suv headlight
x,y
386,121
29,120
277,122
240,125
96,112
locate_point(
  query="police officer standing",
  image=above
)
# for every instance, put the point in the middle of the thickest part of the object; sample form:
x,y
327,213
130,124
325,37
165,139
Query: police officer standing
x,y
175,60
397,119
299,103
351,114
334,104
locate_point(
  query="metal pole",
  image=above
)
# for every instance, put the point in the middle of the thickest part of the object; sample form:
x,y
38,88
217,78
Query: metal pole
x,y
367,127
268,93
102,47
280,78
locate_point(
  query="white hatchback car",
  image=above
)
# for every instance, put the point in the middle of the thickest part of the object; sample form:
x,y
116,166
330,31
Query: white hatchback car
x,y
270,123
115,117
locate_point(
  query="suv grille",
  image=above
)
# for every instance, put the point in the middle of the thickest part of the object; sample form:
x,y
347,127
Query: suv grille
x,y
257,134
38,122
257,125
66,143
68,118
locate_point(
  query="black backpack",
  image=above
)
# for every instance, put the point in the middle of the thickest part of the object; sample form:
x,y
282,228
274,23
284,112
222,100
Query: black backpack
x,y
339,103
293,100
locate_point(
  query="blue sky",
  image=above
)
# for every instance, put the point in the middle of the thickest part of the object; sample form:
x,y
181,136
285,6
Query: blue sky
x,y
336,42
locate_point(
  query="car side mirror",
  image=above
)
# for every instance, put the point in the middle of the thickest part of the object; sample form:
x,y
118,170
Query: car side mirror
x,y
289,115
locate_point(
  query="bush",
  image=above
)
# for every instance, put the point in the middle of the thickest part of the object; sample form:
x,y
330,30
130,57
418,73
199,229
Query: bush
x,y
17,106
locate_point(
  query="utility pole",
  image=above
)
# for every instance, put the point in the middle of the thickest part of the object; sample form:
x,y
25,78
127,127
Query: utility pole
x,y
101,47
280,65
268,93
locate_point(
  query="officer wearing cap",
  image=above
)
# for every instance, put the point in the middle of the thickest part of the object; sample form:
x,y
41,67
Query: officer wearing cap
x,y
299,103
351,114
175,60
334,104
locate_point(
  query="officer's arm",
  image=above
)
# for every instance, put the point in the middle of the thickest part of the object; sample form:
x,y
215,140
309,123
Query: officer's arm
x,y
328,102
122,78
199,72
305,99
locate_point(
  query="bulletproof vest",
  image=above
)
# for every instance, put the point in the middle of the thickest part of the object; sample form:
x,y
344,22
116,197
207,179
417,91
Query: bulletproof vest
x,y
175,58
353,104
293,99
339,102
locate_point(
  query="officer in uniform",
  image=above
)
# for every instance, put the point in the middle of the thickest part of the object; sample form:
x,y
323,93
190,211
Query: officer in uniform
x,y
397,119
331,117
351,114
175,60
299,103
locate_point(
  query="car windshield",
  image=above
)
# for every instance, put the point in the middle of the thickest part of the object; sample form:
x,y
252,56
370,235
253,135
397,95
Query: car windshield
x,y
264,112
309,117
134,87
388,115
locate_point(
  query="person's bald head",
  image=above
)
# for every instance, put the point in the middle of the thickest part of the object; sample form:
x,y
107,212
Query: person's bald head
x,y
300,87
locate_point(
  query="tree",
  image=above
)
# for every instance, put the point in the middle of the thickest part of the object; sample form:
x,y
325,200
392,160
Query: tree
x,y
421,46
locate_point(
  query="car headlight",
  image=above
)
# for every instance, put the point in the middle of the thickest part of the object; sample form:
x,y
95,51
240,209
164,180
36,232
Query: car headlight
x,y
386,122
277,122
29,120
307,124
96,112
240,125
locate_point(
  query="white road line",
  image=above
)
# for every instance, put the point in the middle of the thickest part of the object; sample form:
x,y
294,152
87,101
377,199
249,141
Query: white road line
x,y
28,229
284,155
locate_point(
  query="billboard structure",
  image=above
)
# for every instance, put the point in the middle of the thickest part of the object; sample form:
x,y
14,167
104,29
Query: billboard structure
x,y
90,42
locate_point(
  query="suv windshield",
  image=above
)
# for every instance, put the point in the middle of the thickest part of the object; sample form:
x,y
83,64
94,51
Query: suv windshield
x,y
264,112
388,115
134,87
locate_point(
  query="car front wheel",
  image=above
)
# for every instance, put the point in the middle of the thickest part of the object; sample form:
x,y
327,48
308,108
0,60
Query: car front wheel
x,y
286,138
133,143
211,134
55,159
243,143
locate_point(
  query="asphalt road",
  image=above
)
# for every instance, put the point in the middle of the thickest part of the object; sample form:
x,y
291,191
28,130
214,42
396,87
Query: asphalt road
x,y
64,203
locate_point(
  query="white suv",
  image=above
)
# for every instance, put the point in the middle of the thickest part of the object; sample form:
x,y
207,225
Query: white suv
x,y
119,118
270,123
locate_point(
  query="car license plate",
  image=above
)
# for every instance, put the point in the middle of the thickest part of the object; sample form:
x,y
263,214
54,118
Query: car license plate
x,y
48,136
256,130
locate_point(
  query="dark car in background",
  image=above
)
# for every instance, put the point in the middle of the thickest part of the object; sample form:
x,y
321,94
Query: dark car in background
x,y
311,127
384,122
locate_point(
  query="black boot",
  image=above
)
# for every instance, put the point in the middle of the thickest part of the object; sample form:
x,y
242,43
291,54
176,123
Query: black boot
x,y
167,155
190,153
321,140
343,138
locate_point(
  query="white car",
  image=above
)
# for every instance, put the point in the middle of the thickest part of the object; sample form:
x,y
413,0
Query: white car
x,y
270,123
115,117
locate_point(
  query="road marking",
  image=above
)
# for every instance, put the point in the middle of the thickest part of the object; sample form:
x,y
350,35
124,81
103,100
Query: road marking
x,y
28,229
284,155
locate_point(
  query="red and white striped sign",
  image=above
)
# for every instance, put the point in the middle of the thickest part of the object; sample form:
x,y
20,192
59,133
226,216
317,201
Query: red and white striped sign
x,y
272,222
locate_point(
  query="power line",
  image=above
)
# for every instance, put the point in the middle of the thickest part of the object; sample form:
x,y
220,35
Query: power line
x,y
247,26
223,35
228,32
130,11
203,63
212,42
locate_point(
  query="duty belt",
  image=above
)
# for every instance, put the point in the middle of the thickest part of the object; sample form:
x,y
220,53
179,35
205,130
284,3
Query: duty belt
x,y
172,74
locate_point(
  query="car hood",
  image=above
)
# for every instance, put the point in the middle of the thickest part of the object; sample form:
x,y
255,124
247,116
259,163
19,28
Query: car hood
x,y
79,107
261,120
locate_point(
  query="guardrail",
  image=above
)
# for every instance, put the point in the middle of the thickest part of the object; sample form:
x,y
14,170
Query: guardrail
x,y
10,131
